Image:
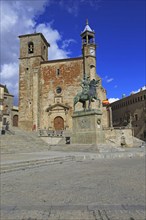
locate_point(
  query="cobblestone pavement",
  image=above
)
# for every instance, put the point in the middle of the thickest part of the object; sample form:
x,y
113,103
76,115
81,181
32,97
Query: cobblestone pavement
x,y
105,189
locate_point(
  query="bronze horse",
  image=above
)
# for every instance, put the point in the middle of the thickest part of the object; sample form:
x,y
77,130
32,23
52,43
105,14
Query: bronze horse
x,y
88,95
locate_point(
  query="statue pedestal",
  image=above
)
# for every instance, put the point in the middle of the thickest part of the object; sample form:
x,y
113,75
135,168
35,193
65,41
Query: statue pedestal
x,y
87,128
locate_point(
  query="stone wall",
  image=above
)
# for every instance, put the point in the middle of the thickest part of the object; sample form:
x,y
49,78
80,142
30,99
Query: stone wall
x,y
65,75
120,137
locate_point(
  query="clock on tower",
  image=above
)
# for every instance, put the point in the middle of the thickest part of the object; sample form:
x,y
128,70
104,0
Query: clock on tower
x,y
92,51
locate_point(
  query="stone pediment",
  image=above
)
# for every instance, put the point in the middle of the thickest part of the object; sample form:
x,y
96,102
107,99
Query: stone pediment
x,y
57,106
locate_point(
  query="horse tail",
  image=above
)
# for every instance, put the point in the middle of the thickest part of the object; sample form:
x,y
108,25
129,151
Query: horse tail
x,y
76,100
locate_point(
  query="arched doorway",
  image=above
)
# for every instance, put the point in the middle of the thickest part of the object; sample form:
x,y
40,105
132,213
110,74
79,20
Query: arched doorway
x,y
15,120
58,123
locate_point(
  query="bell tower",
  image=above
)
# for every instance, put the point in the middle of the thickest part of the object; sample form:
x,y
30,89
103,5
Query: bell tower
x,y
89,52
33,51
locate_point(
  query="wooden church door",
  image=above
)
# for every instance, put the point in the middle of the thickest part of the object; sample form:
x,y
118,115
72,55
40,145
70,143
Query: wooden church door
x,y
59,123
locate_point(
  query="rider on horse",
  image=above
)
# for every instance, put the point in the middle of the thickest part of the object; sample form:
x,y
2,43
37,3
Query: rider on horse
x,y
88,92
85,86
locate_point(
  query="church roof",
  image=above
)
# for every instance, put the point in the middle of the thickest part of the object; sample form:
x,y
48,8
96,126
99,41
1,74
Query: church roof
x,y
34,34
87,27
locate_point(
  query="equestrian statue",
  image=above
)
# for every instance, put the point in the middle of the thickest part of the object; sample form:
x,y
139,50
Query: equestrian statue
x,y
88,93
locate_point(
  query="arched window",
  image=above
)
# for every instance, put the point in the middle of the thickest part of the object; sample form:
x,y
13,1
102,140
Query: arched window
x,y
57,72
30,47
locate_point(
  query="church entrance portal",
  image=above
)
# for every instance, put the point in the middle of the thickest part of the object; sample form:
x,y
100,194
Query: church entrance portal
x,y
59,123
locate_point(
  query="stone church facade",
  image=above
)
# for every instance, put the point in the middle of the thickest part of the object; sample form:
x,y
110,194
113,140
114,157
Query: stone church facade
x,y
47,88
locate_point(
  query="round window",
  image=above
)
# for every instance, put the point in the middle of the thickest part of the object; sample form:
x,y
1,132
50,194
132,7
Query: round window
x,y
58,90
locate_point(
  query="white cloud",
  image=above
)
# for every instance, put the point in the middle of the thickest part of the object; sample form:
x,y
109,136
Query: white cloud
x,y
113,100
53,37
109,80
9,71
9,77
136,91
67,42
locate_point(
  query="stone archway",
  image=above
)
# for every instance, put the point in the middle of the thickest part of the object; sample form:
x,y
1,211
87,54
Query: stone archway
x,y
58,123
15,120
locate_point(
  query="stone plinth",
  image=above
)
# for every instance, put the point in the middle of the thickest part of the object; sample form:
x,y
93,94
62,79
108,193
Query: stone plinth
x,y
87,127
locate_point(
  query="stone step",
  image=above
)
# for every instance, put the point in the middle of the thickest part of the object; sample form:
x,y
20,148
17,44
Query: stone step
x,y
27,164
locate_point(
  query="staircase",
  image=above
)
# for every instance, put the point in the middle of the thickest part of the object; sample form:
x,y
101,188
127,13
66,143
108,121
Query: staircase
x,y
17,141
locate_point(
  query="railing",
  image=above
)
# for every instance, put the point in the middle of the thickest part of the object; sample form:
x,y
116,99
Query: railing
x,y
118,128
50,133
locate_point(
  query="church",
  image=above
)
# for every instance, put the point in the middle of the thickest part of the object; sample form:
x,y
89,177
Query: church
x,y
47,87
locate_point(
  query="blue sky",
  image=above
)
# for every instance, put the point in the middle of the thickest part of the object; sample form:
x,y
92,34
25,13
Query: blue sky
x,y
119,26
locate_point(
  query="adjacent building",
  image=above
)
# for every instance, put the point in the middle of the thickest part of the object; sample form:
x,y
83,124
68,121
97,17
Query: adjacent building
x,y
8,112
131,111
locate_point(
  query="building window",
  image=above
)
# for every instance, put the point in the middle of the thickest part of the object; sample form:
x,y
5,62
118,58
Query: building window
x,y
30,47
57,72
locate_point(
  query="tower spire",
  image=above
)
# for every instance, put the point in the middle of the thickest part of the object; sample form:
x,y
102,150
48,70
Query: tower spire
x,y
87,21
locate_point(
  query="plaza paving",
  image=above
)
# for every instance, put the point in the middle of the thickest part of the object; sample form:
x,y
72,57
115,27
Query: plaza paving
x,y
90,189
40,184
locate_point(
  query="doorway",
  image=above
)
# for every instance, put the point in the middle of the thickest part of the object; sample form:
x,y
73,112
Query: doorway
x,y
59,123
15,121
